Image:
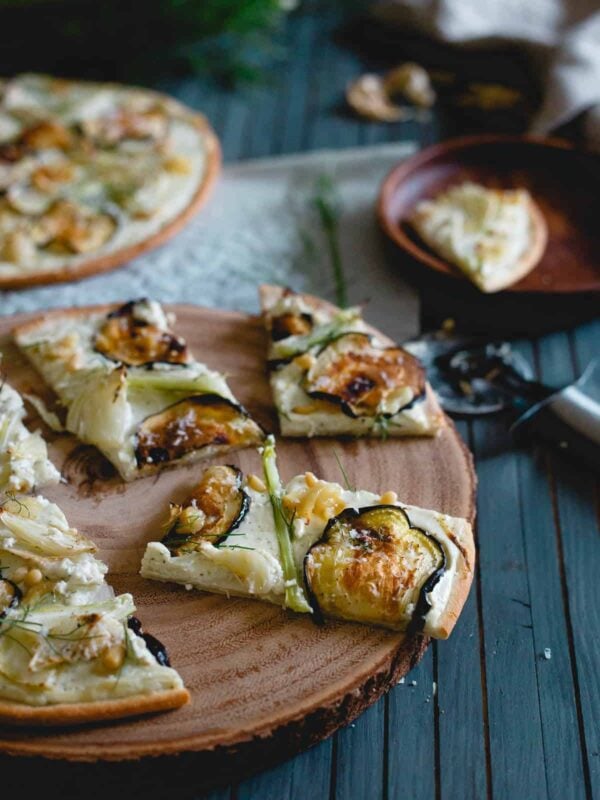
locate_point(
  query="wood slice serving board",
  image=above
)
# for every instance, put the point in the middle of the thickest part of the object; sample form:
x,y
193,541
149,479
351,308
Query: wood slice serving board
x,y
264,682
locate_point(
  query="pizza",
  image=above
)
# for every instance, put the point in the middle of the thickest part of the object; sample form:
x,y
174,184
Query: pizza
x,y
24,463
70,651
331,374
316,547
495,236
132,388
92,174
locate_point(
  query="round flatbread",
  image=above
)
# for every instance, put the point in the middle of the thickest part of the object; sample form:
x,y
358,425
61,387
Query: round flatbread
x,y
93,174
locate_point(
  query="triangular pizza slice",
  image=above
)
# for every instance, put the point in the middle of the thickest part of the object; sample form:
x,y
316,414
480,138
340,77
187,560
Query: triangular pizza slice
x,y
132,388
316,547
332,374
70,651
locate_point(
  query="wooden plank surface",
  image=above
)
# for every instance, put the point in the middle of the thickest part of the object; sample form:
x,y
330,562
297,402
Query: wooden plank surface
x,y
505,721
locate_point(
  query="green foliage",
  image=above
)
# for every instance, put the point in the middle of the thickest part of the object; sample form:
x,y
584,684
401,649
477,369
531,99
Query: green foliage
x,y
129,41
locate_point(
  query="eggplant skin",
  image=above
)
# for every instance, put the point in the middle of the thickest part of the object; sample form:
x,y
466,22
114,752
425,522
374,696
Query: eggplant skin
x,y
351,372
10,596
372,566
154,645
216,508
290,324
190,424
131,341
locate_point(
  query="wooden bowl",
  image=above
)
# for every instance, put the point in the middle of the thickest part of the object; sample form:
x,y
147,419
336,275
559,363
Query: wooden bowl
x,y
563,181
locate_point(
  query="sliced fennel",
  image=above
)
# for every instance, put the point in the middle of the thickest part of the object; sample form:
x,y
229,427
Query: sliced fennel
x,y
295,597
49,417
322,334
176,380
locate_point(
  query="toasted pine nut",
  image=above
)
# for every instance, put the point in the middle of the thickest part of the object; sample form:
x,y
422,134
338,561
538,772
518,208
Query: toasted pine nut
x,y
388,498
256,483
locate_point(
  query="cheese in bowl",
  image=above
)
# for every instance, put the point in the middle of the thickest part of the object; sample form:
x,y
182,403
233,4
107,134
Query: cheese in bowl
x,y
495,236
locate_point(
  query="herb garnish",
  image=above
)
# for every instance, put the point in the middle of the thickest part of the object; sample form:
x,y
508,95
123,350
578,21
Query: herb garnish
x,y
325,200
347,483
321,336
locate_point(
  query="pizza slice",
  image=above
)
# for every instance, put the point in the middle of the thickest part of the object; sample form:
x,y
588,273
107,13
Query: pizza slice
x,y
24,463
131,387
70,651
316,547
495,236
331,374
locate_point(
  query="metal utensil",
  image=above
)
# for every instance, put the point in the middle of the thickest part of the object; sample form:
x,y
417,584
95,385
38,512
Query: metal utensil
x,y
475,378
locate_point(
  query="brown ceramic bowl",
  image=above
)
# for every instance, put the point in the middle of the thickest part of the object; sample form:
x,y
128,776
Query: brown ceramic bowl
x,y
563,181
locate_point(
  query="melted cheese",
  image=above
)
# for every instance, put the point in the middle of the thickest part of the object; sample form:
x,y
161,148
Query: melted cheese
x,y
24,462
483,231
35,534
291,400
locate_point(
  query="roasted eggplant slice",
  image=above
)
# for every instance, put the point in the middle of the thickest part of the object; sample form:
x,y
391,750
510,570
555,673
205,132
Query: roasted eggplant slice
x,y
365,380
371,565
10,595
217,506
132,340
193,423
290,324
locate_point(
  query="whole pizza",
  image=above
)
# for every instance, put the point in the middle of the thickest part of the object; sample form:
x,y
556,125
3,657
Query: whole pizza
x,y
92,174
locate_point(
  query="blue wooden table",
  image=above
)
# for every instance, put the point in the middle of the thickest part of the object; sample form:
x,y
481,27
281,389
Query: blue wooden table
x,y
509,707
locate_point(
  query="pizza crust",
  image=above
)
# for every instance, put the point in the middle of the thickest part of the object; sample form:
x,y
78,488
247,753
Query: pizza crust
x,y
104,263
461,581
81,713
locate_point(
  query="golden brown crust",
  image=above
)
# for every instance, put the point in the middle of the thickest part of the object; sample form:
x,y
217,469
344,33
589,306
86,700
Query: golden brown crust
x,y
80,713
461,583
115,259
529,259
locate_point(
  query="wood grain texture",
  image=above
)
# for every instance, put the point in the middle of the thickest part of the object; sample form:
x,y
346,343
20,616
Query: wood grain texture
x,y
516,749
459,696
562,180
277,683
576,510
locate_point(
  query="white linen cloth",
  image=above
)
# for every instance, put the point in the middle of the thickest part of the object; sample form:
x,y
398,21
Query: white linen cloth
x,y
562,36
254,229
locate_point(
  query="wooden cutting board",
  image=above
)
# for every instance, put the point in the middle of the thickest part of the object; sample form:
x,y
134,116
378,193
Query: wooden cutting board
x,y
265,683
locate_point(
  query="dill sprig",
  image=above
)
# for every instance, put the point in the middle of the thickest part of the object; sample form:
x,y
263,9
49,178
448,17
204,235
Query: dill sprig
x,y
12,498
326,202
347,483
